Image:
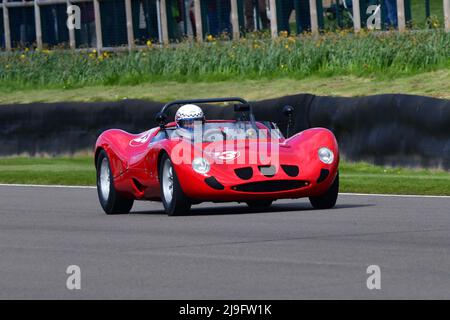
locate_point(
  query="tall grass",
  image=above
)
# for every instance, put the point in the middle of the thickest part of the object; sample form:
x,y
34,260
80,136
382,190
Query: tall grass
x,y
366,54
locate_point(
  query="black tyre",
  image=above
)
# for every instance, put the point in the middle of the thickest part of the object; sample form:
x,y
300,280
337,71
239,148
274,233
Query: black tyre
x,y
111,201
259,204
175,202
328,199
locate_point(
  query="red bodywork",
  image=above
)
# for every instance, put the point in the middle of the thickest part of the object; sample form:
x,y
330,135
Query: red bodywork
x,y
134,160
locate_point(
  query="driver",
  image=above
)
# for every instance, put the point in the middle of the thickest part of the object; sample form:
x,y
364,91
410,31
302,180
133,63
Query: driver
x,y
186,117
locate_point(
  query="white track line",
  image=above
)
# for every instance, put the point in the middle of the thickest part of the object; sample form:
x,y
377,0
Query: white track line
x,y
45,186
341,193
391,195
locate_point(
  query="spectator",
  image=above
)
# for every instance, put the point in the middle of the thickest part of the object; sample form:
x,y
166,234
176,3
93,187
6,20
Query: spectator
x,y
53,24
219,16
22,25
145,19
284,11
175,18
250,14
391,13
87,32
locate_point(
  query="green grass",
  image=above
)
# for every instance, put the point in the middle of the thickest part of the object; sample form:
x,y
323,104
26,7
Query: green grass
x,y
58,171
384,56
435,84
367,178
355,177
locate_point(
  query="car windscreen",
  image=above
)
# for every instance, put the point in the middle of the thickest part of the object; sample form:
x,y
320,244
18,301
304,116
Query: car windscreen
x,y
233,130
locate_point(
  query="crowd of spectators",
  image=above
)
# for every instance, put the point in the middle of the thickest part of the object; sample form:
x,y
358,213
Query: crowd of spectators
x,y
181,19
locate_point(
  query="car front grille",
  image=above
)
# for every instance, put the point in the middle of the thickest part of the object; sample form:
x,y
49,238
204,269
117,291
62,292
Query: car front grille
x,y
271,186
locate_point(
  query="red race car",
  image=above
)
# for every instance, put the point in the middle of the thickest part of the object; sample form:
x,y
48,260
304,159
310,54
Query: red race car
x,y
193,160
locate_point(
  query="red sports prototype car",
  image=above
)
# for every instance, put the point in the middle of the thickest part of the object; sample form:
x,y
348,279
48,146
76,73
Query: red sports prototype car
x,y
241,160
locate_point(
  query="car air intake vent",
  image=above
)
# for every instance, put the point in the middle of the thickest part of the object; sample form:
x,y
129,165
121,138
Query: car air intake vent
x,y
213,183
291,171
271,186
323,175
244,173
268,171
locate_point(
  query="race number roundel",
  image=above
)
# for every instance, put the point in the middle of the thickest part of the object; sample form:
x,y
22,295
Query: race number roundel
x,y
229,155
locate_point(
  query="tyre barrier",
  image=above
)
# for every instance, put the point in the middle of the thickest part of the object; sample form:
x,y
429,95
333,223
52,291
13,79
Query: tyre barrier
x,y
390,129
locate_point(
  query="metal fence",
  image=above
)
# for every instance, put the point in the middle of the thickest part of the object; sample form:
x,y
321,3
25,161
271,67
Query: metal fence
x,y
128,24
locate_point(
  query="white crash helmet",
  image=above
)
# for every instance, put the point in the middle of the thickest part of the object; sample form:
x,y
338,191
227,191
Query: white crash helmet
x,y
188,114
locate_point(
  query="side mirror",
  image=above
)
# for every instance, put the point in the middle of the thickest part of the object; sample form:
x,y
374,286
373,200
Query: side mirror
x,y
161,119
288,111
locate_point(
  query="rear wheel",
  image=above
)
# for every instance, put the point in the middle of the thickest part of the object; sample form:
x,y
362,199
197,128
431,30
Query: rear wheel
x,y
111,201
328,199
174,200
259,204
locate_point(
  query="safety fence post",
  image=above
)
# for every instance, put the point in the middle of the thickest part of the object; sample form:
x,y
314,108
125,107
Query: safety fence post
x,y
314,18
198,20
6,26
130,32
235,19
356,15
401,15
273,18
37,21
164,25
447,15
72,43
98,26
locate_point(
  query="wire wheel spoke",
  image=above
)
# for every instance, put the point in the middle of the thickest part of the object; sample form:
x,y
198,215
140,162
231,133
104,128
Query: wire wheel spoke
x,y
104,179
167,181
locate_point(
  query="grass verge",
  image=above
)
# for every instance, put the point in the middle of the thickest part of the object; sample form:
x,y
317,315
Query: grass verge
x,y
434,84
355,177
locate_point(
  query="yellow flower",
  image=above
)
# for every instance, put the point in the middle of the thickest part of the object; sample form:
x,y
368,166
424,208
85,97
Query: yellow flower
x,y
26,49
149,43
210,38
284,34
22,56
94,51
286,46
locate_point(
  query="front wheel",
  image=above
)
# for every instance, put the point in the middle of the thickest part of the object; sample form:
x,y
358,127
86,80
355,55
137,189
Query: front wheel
x,y
328,199
111,201
174,200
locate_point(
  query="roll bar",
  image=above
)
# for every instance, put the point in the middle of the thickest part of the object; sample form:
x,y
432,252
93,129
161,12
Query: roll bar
x,y
244,106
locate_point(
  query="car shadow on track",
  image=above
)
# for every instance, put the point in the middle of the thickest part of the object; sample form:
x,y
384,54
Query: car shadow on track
x,y
235,210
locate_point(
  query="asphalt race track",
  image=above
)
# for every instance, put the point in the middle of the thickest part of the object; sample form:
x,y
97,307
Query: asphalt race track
x,y
222,251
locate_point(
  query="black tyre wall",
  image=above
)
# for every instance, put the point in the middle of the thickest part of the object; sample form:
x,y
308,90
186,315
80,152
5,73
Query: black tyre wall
x,y
385,129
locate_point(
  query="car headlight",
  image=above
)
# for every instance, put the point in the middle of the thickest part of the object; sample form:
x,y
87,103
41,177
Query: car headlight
x,y
201,165
326,155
